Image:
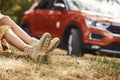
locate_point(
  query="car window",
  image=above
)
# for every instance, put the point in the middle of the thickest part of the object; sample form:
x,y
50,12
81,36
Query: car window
x,y
59,1
56,1
43,4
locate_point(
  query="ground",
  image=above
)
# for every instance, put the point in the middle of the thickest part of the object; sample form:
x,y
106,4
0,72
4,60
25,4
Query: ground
x,y
59,66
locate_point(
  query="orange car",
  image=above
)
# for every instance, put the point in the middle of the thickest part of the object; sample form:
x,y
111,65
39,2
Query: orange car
x,y
80,24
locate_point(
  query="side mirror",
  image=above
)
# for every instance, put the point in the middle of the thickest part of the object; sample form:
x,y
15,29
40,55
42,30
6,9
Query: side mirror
x,y
59,6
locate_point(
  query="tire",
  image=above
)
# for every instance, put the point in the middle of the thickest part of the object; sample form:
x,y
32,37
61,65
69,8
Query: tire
x,y
26,28
74,43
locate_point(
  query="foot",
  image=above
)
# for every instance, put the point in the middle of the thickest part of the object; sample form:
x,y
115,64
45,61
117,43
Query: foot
x,y
44,43
39,48
53,44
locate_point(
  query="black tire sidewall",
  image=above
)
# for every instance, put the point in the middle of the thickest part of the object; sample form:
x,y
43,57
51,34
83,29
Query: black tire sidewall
x,y
76,43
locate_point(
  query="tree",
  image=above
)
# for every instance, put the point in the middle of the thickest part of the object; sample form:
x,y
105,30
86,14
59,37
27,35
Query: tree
x,y
15,8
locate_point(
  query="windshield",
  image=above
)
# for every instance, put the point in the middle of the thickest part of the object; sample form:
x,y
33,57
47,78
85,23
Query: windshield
x,y
97,6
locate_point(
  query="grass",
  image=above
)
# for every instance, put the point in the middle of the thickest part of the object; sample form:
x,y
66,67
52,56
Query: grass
x,y
106,67
59,67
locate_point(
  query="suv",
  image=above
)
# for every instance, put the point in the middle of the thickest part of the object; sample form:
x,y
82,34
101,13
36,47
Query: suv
x,y
81,25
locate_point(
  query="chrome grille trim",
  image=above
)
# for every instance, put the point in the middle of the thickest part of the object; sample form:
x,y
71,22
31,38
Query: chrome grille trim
x,y
114,28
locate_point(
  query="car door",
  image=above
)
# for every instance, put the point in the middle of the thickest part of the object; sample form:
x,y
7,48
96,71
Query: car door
x,y
53,21
41,16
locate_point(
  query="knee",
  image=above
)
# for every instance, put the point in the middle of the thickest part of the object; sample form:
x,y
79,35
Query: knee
x,y
6,17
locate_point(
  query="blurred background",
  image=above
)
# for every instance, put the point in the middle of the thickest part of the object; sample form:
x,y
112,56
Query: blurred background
x,y
15,8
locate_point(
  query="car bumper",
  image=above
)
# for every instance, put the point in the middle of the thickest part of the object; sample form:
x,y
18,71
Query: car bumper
x,y
103,40
100,37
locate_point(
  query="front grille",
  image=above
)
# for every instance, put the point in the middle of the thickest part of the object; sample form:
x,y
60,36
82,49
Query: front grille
x,y
113,46
114,29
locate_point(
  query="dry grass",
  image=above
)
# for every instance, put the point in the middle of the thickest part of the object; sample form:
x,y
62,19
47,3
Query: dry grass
x,y
59,67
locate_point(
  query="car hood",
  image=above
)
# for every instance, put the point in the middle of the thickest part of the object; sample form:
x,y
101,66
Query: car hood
x,y
99,17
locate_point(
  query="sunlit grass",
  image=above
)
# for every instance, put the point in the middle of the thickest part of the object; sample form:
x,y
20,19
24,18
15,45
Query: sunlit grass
x,y
59,67
105,66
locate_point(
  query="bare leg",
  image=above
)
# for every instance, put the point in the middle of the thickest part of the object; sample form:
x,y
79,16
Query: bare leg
x,y
6,20
35,50
14,40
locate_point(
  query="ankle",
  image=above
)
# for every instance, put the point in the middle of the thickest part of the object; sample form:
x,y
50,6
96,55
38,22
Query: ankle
x,y
28,49
33,41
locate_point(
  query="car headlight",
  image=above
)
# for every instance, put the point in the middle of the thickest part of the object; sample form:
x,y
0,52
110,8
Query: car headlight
x,y
100,25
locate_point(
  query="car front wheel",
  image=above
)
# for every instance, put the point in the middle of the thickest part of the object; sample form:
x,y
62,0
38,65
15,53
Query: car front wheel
x,y
74,43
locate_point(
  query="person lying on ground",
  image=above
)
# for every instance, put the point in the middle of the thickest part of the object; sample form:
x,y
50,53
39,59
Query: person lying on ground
x,y
18,38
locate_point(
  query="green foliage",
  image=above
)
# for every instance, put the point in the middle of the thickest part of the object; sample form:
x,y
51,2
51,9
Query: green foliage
x,y
106,66
15,8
